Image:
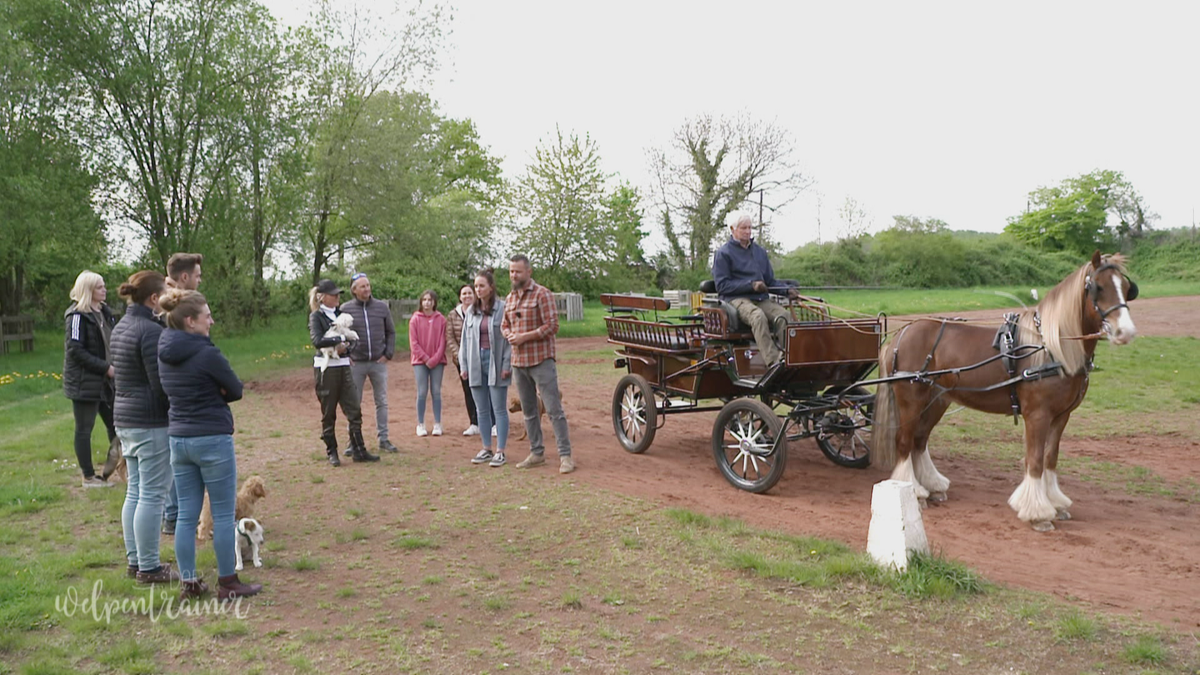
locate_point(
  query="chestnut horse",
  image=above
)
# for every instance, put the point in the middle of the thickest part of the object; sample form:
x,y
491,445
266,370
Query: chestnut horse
x,y
942,358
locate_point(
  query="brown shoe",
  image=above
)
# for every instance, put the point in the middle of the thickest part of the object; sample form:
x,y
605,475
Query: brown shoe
x,y
131,571
192,590
164,575
531,461
566,464
232,587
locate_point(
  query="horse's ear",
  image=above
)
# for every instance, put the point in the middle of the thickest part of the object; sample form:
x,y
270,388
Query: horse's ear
x,y
1096,260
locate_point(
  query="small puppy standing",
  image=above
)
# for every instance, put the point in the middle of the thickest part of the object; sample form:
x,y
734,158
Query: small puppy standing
x,y
251,491
341,327
514,406
249,534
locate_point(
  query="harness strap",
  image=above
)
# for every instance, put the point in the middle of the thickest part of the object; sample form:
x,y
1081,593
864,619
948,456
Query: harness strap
x,y
1006,341
938,341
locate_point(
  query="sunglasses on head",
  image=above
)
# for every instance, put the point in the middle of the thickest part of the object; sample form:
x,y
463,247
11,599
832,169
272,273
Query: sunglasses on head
x,y
357,276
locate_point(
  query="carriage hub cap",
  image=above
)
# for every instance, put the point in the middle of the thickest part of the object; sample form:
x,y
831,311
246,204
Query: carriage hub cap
x,y
747,446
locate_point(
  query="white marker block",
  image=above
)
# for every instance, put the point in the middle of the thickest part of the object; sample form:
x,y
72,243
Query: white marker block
x,y
896,525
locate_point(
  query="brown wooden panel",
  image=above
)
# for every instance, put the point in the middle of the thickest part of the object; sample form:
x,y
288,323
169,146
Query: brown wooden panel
x,y
619,301
854,341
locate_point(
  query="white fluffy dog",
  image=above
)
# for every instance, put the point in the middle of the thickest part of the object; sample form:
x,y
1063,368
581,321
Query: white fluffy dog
x,y
250,535
341,326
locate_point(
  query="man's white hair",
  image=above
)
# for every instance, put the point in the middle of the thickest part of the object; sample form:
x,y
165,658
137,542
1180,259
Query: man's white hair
x,y
737,217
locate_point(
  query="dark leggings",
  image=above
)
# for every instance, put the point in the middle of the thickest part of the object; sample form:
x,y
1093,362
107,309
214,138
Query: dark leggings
x,y
85,421
471,412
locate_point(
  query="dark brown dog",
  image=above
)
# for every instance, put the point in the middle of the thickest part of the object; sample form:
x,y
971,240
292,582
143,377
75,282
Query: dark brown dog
x,y
514,406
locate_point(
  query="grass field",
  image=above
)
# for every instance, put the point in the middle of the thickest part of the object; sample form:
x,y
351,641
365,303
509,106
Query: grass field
x,y
602,583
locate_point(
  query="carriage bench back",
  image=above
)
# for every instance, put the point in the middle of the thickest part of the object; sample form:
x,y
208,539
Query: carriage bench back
x,y
653,336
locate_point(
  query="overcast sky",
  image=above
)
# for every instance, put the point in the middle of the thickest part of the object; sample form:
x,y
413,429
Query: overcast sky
x,y
953,110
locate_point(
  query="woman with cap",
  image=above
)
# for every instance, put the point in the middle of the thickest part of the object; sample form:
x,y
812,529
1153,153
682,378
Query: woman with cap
x,y
334,383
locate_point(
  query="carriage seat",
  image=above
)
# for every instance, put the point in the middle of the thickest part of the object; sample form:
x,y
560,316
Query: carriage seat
x,y
721,319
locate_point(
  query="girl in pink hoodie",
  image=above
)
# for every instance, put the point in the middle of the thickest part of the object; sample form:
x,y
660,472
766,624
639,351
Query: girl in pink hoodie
x,y
427,339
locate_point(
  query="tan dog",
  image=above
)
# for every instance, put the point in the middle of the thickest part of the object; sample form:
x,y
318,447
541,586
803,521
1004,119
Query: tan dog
x,y
251,491
514,406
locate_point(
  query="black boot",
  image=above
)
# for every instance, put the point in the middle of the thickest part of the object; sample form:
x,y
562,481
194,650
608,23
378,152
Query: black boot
x,y
331,450
358,449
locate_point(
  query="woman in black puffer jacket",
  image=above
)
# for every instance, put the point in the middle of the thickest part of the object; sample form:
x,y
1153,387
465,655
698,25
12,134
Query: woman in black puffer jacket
x,y
334,383
87,370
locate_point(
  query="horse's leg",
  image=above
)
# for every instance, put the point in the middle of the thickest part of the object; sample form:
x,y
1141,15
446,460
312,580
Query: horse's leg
x,y
1029,500
923,469
911,401
1055,494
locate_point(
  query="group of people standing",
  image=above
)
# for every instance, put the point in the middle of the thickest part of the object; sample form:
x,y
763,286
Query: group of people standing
x,y
491,341
164,390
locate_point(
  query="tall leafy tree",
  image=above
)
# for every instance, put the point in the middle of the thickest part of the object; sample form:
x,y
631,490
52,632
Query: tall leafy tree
x,y
709,170
1082,213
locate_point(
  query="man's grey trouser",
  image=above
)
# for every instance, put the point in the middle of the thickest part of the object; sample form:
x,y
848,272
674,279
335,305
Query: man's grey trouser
x,y
760,316
378,374
542,379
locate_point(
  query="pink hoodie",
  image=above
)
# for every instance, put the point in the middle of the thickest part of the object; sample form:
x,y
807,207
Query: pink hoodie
x,y
427,338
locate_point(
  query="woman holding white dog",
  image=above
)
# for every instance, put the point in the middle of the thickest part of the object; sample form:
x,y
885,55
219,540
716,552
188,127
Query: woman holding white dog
x,y
140,415
485,360
333,379
200,385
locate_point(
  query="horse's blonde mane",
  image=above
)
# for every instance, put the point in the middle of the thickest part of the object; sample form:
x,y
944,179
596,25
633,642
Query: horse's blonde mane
x,y
1061,313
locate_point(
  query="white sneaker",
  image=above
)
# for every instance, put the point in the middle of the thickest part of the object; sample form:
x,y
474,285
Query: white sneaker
x,y
437,429
421,430
493,432
472,430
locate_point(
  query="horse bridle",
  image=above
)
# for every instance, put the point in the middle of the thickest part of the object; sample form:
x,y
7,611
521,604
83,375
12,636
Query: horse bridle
x,y
1093,291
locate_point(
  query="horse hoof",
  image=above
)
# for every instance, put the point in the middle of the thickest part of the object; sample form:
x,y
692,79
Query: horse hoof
x,y
937,496
1042,526
1063,515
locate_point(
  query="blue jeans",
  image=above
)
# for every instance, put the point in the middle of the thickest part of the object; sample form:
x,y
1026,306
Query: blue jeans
x,y
148,458
427,379
171,510
492,407
200,463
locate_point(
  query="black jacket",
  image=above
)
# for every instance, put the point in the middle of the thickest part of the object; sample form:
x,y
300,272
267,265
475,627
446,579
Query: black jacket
x,y
199,382
318,323
141,402
85,361
376,332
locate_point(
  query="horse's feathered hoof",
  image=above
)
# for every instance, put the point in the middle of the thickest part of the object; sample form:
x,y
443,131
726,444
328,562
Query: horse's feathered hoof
x,y
937,497
1042,526
1063,515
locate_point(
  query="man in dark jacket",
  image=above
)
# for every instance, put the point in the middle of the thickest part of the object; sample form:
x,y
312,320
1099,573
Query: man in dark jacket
x,y
744,276
183,271
375,347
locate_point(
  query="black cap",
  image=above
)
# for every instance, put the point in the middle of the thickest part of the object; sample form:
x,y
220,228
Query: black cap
x,y
327,287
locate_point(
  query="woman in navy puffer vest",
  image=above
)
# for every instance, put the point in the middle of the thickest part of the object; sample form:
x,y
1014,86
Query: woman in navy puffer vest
x,y
200,385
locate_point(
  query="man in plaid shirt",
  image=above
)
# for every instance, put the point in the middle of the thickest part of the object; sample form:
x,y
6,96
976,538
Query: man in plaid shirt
x,y
529,324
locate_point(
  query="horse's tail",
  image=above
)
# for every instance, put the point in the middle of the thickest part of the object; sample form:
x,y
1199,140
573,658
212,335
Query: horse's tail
x,y
883,425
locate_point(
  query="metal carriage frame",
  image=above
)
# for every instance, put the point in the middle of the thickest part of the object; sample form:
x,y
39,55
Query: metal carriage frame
x,y
676,365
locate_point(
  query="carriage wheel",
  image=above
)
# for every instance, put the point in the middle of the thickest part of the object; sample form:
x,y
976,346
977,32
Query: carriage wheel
x,y
742,440
849,448
634,413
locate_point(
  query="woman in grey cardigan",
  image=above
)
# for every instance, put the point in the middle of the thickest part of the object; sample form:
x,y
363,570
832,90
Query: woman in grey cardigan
x,y
485,361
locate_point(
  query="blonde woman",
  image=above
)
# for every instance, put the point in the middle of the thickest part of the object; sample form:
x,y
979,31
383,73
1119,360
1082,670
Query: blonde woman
x,y
335,385
87,368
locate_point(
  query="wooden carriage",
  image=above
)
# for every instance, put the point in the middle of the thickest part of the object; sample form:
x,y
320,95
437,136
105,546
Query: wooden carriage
x,y
709,362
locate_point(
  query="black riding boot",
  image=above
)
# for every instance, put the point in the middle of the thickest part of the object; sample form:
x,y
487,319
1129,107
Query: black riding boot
x,y
331,450
358,449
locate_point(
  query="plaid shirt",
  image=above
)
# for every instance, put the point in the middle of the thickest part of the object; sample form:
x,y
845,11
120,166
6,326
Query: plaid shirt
x,y
531,310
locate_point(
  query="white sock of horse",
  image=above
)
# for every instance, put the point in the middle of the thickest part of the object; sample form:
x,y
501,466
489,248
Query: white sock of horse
x,y
1030,502
904,472
1060,501
928,475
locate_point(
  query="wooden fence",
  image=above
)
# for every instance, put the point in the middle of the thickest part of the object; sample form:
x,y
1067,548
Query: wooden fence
x,y
17,329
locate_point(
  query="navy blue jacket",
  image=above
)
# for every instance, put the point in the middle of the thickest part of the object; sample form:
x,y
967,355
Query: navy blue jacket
x,y
735,269
141,402
199,382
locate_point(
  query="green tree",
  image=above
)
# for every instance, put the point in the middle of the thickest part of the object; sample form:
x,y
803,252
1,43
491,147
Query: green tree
x,y
1074,216
710,170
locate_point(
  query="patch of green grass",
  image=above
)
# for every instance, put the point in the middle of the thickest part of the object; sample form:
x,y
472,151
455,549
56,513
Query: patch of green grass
x,y
571,599
497,603
306,563
410,542
689,518
347,592
934,576
1147,651
358,534
226,628
1075,626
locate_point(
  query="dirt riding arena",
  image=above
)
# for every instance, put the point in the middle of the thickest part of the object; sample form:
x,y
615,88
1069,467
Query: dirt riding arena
x,y
1132,554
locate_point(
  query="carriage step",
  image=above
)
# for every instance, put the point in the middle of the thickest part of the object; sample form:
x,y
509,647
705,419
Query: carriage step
x,y
763,380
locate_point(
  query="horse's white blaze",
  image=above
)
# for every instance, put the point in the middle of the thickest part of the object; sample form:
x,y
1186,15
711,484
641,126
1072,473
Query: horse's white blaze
x,y
904,472
1126,331
1057,499
928,475
1030,502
